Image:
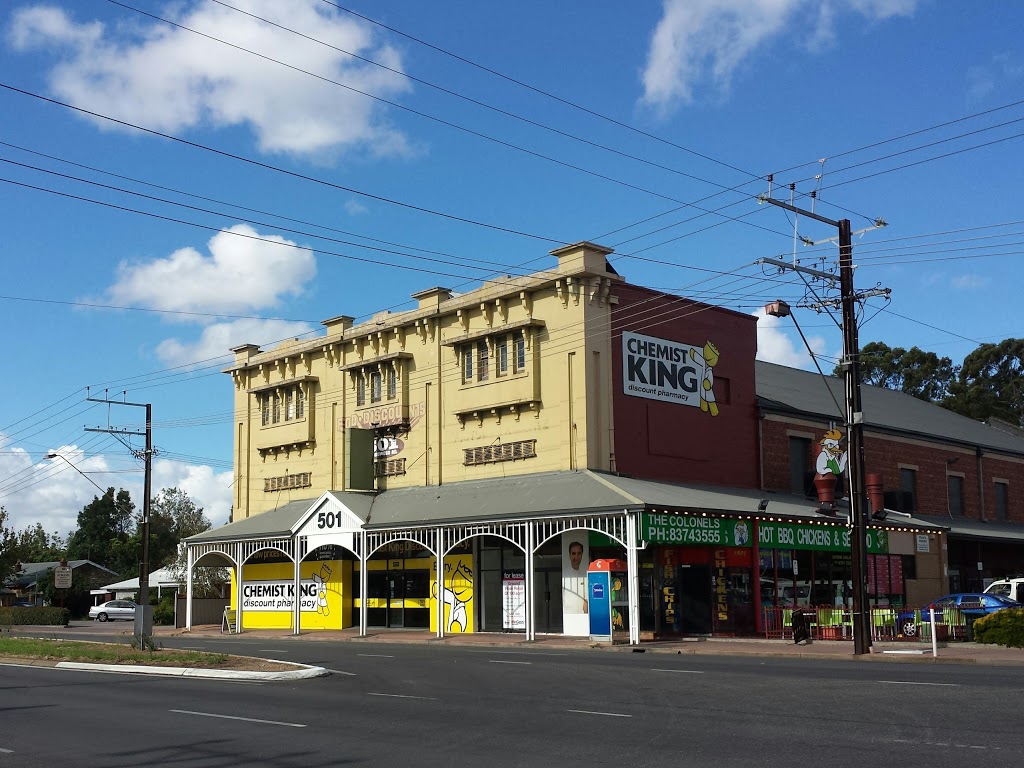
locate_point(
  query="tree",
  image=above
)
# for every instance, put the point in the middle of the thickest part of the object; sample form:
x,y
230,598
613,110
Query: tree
x,y
923,375
991,383
105,528
8,548
35,545
173,516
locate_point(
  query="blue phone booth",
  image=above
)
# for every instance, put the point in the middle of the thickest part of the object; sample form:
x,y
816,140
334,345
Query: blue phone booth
x,y
607,599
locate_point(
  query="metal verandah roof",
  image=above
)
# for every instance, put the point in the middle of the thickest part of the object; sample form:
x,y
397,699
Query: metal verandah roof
x,y
543,495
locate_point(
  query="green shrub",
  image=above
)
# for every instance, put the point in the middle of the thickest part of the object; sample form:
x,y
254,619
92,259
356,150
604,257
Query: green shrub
x,y
50,615
163,613
1005,627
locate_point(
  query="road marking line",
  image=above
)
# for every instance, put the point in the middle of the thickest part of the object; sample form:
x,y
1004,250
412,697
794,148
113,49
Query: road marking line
x,y
911,682
269,650
522,653
403,696
680,671
605,714
235,717
376,655
7,751
502,661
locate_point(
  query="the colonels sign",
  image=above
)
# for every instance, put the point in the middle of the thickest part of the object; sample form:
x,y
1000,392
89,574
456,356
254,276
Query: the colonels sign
x,y
660,369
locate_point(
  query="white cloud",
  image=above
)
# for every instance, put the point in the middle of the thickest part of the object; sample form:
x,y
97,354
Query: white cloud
x,y
775,346
170,79
208,489
1002,72
245,271
970,282
708,40
355,208
218,338
51,492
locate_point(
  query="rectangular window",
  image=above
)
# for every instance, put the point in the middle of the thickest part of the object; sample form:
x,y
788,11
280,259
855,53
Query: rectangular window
x,y
482,358
955,491
276,415
375,387
467,365
392,384
265,407
361,390
1002,500
300,404
799,465
289,405
501,356
908,486
519,348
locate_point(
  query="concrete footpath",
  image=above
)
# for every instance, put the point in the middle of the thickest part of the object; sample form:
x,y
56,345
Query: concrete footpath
x,y
881,652
915,651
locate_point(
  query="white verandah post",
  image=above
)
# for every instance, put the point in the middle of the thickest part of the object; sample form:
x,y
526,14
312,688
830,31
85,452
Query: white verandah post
x,y
296,585
189,559
439,545
363,583
530,534
633,577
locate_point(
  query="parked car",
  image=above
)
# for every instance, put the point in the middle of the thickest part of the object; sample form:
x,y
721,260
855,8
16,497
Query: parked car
x,y
112,610
1011,588
970,605
24,604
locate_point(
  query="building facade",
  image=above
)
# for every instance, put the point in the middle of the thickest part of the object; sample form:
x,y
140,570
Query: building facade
x,y
459,466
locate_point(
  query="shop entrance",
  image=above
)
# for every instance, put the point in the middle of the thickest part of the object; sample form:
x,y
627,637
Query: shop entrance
x,y
547,598
399,599
695,599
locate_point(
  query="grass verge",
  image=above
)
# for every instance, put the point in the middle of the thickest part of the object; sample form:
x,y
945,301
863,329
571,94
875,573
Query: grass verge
x,y
105,653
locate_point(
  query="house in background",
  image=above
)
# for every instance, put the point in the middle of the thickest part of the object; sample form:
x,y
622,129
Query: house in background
x,y
162,579
27,580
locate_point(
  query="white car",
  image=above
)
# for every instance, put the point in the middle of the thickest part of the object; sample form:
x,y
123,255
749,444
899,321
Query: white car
x,y
1011,588
113,610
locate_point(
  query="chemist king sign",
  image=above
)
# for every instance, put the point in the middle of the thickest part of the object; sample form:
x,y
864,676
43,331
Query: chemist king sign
x,y
660,369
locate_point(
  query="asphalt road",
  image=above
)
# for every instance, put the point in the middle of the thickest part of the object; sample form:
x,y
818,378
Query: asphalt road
x,y
424,705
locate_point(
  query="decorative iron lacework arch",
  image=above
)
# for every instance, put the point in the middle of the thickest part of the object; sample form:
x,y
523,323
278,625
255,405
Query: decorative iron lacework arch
x,y
303,548
514,533
198,551
425,537
286,546
613,525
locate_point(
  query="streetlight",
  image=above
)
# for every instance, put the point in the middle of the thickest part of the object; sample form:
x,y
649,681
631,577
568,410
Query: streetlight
x,y
55,455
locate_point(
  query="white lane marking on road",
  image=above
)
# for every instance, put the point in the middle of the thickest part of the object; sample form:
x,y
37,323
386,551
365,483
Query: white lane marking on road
x,y
269,650
403,696
503,661
604,714
7,751
521,653
911,682
680,671
943,744
376,655
236,717
340,672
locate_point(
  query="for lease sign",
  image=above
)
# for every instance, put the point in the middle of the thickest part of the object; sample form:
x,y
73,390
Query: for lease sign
x,y
659,369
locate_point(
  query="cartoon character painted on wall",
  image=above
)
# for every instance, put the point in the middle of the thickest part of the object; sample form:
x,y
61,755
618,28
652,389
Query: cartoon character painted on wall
x,y
832,458
457,594
706,360
320,582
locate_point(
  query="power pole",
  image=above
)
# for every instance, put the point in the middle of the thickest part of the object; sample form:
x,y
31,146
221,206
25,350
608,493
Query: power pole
x,y
143,622
848,299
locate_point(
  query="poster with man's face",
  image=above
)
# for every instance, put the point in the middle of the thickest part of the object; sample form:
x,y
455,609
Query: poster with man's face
x,y
575,561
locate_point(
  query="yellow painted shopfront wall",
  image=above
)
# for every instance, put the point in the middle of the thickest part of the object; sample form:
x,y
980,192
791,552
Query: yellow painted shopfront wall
x,y
457,592
326,587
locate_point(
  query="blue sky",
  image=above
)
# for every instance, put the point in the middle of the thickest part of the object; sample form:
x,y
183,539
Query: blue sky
x,y
466,140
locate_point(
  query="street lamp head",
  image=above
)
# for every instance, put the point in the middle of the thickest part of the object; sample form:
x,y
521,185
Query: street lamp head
x,y
777,308
52,455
